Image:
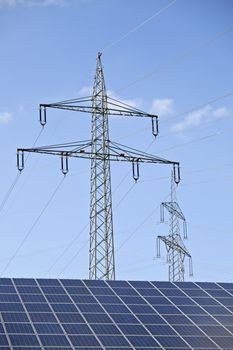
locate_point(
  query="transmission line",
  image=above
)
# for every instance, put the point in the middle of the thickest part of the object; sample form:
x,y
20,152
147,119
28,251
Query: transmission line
x,y
12,186
199,107
79,234
139,26
67,248
193,109
178,58
32,227
141,224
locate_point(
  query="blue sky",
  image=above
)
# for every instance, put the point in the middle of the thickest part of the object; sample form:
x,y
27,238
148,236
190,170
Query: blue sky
x,y
170,58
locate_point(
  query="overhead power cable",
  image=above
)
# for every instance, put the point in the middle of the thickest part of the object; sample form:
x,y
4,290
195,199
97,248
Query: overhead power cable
x,y
12,186
68,246
178,58
193,109
141,224
142,181
72,259
10,190
125,195
86,242
32,227
157,13
198,107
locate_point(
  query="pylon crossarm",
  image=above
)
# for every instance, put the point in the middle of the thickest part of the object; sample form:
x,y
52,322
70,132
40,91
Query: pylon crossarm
x,y
83,149
113,107
171,243
131,154
174,208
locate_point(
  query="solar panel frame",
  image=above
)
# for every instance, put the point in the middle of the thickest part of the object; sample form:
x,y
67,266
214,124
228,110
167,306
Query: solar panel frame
x,y
115,315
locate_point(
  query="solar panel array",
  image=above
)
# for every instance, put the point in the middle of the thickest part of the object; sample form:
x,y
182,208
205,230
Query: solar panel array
x,y
53,314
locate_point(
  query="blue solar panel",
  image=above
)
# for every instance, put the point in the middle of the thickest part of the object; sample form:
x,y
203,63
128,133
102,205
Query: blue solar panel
x,y
15,317
70,318
105,329
130,329
19,328
23,339
33,298
48,328
115,315
98,318
53,339
124,318
42,317
84,340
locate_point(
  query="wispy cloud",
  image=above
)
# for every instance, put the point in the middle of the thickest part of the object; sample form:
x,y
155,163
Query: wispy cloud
x,y
200,116
30,3
162,107
5,117
135,102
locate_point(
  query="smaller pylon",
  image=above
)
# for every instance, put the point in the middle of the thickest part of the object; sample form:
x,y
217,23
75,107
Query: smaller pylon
x,y
176,250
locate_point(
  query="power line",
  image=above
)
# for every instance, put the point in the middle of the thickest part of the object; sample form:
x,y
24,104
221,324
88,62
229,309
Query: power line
x,y
218,98
72,259
178,58
138,26
225,178
118,204
32,227
141,224
12,186
152,179
34,253
10,190
199,107
191,141
67,248
189,172
77,236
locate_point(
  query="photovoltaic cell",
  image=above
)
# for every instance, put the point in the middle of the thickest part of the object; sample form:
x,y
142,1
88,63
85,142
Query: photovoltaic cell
x,y
54,314
48,328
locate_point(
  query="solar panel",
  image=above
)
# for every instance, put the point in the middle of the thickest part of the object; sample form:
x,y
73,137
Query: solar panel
x,y
52,314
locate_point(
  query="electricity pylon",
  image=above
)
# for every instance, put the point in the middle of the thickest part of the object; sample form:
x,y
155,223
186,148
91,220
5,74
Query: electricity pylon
x,y
176,250
101,151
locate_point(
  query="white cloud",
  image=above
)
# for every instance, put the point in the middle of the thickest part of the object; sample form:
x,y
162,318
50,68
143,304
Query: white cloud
x,y
162,107
135,102
200,116
30,3
5,117
87,91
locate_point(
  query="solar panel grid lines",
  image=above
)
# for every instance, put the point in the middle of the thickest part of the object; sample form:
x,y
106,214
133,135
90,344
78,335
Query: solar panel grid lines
x,y
134,286
88,287
11,340
190,340
6,336
141,324
213,339
97,343
44,337
218,301
80,309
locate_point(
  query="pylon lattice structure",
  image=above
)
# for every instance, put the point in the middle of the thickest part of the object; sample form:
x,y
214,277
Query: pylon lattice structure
x,y
176,250
101,259
101,151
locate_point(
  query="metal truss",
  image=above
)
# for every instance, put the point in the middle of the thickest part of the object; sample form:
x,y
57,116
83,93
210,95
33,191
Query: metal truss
x,y
101,151
176,250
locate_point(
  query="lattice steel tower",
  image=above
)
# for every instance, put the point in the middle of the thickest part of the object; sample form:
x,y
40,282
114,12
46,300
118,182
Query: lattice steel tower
x,y
176,250
101,258
101,151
